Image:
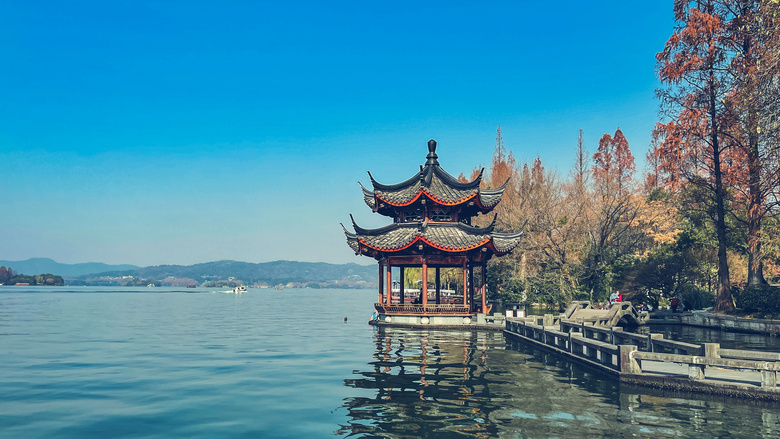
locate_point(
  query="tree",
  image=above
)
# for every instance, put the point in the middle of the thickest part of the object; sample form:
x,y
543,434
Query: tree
x,y
652,181
752,31
614,211
580,164
555,238
503,165
613,161
693,67
503,170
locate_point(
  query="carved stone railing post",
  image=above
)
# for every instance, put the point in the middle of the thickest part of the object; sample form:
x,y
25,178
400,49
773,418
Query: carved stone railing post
x,y
768,378
696,371
627,362
711,350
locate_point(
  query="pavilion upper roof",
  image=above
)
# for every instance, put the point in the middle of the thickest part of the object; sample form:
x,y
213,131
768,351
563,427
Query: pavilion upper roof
x,y
434,183
446,237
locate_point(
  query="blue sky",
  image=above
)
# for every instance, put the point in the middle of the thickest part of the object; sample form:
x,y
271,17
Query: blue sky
x,y
179,132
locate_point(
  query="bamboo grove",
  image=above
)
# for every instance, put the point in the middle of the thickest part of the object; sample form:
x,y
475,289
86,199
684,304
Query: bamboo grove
x,y
700,222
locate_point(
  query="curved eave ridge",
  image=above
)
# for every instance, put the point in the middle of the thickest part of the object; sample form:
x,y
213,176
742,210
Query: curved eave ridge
x,y
400,197
359,231
452,181
506,242
416,178
437,190
489,198
368,197
352,240
447,193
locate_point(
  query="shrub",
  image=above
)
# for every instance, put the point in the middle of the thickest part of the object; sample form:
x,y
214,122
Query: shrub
x,y
764,299
512,291
696,298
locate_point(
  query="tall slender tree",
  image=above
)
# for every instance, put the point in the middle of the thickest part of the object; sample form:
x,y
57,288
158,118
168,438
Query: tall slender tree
x,y
580,163
752,29
503,166
693,66
503,169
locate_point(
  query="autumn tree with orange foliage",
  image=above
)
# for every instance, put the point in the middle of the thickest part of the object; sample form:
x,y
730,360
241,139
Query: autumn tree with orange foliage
x,y
588,235
692,146
614,210
714,162
613,162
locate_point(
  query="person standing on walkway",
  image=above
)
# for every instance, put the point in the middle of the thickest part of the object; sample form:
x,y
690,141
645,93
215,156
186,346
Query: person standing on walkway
x,y
674,303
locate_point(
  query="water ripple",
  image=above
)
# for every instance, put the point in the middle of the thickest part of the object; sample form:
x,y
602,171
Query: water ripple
x,y
127,363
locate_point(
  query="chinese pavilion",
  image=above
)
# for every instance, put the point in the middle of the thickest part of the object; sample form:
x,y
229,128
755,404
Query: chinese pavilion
x,y
432,213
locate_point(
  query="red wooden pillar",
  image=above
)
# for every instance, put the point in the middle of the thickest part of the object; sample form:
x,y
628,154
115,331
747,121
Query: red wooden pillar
x,y
424,291
484,289
381,281
465,284
389,281
471,287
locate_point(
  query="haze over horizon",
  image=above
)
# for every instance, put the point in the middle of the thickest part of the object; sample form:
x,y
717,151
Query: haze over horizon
x,y
166,132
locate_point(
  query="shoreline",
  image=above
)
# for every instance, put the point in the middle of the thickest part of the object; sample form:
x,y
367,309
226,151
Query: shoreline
x,y
705,319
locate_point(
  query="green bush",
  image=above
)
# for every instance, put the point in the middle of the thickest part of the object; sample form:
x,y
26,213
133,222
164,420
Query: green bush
x,y
764,299
512,291
696,298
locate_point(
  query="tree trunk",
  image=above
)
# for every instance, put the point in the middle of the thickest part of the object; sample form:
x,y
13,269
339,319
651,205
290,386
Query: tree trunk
x,y
755,214
723,300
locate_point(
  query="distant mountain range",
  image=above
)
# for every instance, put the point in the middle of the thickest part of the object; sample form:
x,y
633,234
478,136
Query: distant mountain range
x,y
36,266
272,273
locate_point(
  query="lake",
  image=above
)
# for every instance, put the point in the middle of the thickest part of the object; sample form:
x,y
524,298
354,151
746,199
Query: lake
x,y
88,362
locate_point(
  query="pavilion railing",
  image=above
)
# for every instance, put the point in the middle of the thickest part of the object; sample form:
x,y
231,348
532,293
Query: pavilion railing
x,y
417,309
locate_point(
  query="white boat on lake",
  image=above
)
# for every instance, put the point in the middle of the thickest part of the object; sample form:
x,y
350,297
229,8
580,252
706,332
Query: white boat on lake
x,y
237,290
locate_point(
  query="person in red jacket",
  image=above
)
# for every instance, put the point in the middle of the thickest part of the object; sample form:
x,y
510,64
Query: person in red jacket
x,y
674,304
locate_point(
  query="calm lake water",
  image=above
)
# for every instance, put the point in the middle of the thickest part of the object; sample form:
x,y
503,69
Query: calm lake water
x,y
171,363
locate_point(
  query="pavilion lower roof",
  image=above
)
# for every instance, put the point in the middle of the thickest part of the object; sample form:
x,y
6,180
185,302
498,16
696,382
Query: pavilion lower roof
x,y
447,237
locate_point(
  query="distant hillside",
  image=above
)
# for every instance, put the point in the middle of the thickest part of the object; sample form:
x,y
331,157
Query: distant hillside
x,y
272,273
36,266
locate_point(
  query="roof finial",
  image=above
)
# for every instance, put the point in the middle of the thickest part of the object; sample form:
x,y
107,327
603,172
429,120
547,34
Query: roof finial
x,y
432,153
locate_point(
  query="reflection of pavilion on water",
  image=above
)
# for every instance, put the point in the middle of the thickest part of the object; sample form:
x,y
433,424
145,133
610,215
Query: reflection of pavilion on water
x,y
431,234
424,383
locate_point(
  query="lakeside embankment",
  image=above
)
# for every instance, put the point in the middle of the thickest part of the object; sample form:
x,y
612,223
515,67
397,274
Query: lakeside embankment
x,y
652,361
724,322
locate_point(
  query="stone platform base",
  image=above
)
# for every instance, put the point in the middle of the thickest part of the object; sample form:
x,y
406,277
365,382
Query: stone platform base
x,y
477,321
